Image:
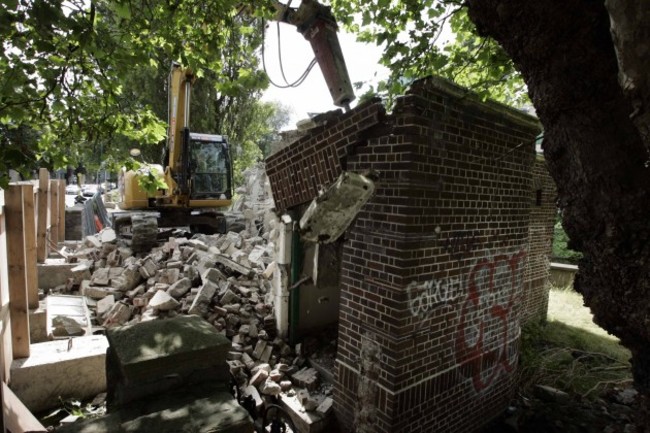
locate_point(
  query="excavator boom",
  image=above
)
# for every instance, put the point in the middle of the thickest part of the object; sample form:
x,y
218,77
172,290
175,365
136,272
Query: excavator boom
x,y
317,24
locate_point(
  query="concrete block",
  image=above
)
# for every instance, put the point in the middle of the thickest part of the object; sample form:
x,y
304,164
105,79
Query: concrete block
x,y
163,301
119,314
305,422
251,391
101,277
105,304
148,351
306,378
326,406
270,388
55,272
97,293
38,324
61,310
180,287
259,349
259,378
45,376
203,299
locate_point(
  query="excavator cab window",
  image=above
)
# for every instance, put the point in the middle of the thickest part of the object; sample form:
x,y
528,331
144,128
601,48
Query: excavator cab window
x,y
209,167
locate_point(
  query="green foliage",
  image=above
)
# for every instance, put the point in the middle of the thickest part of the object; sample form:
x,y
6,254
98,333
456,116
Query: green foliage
x,y
150,179
412,35
561,250
66,65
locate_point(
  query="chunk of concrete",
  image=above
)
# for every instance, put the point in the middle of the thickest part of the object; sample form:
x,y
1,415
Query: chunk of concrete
x,y
38,324
203,298
186,349
69,308
55,272
40,380
307,422
306,378
105,304
180,288
163,301
331,213
119,314
270,387
63,326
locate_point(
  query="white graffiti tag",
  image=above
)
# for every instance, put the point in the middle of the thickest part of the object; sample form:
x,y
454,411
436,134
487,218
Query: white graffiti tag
x,y
424,297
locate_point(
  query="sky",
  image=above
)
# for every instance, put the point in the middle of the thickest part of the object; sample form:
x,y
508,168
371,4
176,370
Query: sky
x,y
313,96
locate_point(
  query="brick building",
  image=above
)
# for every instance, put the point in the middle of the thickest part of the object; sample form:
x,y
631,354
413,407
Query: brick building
x,y
440,268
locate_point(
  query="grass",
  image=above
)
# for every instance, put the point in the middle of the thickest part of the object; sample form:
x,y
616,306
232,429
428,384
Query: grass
x,y
570,352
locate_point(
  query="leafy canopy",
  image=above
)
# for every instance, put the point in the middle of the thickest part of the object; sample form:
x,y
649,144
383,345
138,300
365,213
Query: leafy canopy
x,y
416,43
64,66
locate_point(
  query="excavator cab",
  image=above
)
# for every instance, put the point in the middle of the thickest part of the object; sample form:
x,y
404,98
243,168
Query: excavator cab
x,y
209,167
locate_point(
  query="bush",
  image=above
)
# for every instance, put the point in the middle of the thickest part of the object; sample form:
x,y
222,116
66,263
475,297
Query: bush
x,y
561,251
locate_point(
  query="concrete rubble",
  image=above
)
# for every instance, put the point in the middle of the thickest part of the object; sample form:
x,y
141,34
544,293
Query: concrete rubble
x,y
225,279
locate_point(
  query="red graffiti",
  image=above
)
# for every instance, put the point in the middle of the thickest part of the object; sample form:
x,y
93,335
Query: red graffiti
x,y
485,342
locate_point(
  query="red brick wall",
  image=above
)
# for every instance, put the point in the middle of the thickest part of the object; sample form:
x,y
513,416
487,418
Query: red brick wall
x,y
542,218
316,159
435,267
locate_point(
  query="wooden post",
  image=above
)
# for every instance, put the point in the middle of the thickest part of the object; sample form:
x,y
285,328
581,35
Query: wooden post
x,y
30,246
43,209
54,211
61,210
6,354
17,279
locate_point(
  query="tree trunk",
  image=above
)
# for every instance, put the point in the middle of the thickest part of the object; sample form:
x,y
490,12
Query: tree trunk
x,y
594,149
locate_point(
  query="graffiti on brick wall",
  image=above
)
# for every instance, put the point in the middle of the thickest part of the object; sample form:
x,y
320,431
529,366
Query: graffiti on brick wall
x,y
425,297
461,244
489,324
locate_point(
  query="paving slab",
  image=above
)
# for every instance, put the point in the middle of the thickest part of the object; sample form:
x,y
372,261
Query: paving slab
x,y
72,368
69,307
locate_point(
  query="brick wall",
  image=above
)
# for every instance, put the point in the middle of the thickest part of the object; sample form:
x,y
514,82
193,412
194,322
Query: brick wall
x,y
436,266
542,219
316,159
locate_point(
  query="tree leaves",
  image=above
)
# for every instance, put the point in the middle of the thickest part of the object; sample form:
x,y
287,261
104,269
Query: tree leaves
x,y
65,64
412,34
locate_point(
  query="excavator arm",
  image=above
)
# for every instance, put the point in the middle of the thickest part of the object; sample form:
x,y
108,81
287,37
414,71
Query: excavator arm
x,y
317,24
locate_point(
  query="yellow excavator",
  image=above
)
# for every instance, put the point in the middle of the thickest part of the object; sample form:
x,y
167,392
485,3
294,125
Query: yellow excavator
x,y
197,168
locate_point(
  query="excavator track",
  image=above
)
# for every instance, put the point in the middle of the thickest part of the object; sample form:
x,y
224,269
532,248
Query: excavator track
x,y
142,228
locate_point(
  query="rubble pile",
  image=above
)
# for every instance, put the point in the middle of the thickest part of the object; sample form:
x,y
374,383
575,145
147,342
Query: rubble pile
x,y
226,279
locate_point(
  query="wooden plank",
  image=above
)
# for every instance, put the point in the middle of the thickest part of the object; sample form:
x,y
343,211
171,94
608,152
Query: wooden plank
x,y
61,210
43,207
16,417
16,269
54,211
6,353
30,246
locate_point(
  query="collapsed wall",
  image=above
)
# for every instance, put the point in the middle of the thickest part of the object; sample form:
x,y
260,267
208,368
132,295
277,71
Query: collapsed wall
x,y
442,265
